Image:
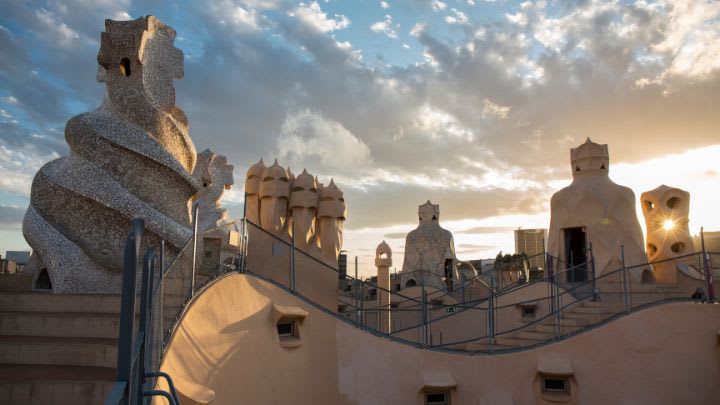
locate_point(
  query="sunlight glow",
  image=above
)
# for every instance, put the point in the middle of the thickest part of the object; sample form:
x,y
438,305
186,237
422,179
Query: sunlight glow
x,y
668,224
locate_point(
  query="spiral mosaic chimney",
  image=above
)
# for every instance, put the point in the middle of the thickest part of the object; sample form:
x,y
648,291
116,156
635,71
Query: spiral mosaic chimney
x,y
132,157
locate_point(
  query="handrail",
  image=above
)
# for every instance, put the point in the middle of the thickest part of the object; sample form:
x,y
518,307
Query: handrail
x,y
136,346
560,300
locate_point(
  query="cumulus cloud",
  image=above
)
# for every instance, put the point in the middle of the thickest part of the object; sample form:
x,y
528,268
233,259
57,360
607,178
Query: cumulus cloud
x,y
494,110
692,39
312,15
385,26
440,124
63,34
384,5
462,113
438,5
307,137
418,29
11,217
457,17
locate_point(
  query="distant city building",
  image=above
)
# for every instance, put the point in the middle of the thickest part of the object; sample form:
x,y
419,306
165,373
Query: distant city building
x,y
712,242
8,266
483,265
532,243
20,257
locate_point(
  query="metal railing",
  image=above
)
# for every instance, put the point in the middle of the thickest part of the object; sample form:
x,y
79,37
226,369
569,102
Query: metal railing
x,y
137,360
421,318
165,290
562,303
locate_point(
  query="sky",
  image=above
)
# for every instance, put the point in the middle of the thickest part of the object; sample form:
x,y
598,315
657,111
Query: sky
x,y
471,104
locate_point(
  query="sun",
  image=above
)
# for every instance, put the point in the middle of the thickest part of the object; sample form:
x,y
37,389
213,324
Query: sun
x,y
668,224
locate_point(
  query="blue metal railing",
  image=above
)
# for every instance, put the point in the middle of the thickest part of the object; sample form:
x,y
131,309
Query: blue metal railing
x,y
136,363
140,351
614,291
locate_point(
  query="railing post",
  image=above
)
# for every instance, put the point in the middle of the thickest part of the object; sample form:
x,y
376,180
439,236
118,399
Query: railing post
x,y
243,239
624,280
241,264
491,313
592,266
145,321
358,291
557,309
161,310
292,257
362,305
246,240
423,306
127,306
709,290
194,252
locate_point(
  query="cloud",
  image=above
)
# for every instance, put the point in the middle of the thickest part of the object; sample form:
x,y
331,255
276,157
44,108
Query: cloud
x,y
63,34
473,246
457,17
312,15
241,16
438,5
384,5
307,137
418,29
496,110
11,217
484,111
23,152
486,229
440,124
385,26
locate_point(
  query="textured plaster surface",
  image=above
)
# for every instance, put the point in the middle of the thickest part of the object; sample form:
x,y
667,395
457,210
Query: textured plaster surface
x,y
227,343
605,209
280,202
659,206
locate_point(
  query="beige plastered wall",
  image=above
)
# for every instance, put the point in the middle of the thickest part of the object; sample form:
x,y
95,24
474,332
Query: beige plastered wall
x,y
226,349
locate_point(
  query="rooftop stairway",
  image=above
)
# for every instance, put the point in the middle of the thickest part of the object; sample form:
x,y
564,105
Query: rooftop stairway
x,y
58,349
587,312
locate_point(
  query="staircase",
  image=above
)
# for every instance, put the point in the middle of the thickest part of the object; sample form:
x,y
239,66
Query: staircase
x,y
57,349
587,312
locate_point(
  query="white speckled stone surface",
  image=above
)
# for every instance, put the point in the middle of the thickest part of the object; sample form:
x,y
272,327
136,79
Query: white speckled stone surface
x,y
426,249
214,175
132,157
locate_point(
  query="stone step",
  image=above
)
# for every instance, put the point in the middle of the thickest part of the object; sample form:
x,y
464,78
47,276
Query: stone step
x,y
550,329
48,302
590,309
535,335
513,342
60,385
590,318
589,303
60,324
567,322
638,288
60,351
